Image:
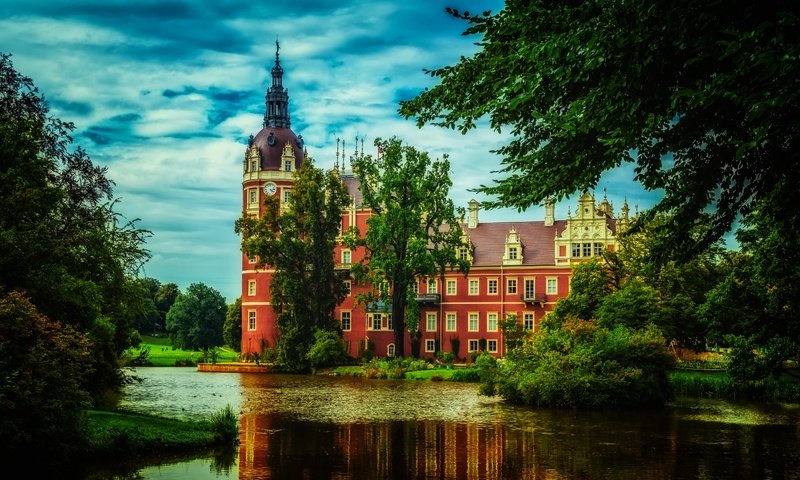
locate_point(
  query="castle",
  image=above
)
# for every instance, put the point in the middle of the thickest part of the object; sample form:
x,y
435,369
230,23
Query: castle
x,y
518,269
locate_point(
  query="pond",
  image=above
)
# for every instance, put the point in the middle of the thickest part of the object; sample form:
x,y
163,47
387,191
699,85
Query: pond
x,y
296,426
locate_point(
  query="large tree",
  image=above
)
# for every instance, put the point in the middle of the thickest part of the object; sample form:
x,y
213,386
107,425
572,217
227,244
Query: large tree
x,y
415,231
299,244
62,242
700,96
196,318
232,330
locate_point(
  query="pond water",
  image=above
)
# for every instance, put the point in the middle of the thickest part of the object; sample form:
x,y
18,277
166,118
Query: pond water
x,y
296,426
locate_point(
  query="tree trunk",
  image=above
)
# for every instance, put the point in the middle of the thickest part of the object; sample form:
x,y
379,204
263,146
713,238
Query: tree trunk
x,y
399,319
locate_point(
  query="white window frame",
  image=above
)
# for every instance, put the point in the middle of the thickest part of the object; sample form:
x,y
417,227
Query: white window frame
x,y
473,345
346,315
252,319
491,321
526,318
476,283
348,285
492,286
451,327
251,288
430,321
347,257
552,285
430,345
473,321
530,293
509,283
452,286
390,350
491,346
432,285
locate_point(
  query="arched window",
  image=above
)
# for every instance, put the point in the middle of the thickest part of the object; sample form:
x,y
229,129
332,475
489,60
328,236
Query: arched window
x,y
390,350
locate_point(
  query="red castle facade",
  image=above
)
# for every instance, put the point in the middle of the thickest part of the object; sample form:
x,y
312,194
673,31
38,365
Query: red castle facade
x,y
517,268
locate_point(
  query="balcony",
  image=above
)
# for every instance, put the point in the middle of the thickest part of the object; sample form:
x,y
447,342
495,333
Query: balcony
x,y
539,298
342,267
428,299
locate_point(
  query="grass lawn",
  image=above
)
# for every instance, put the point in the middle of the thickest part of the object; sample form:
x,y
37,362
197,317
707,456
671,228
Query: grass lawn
x,y
162,354
445,374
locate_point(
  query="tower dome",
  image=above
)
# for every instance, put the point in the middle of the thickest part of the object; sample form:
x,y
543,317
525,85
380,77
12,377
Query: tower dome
x,y
277,139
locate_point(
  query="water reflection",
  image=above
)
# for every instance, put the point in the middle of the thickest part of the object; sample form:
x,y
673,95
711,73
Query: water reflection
x,y
326,427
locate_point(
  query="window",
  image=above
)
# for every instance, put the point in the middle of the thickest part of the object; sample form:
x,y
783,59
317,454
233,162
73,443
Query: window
x,y
415,287
389,321
251,259
253,165
463,254
430,345
287,194
345,320
529,289
252,197
376,321
491,322
287,165
450,321
431,285
587,249
598,249
576,249
473,322
527,321
251,287
390,350
451,287
511,286
474,288
491,286
430,322
348,287
472,345
491,346
346,257
512,253
552,286
251,319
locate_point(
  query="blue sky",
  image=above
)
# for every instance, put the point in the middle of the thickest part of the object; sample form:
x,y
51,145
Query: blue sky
x,y
166,93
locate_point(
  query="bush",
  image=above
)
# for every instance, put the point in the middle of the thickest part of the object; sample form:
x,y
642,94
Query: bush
x,y
327,349
225,424
580,364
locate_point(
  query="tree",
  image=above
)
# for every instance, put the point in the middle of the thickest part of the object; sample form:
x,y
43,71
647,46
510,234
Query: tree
x,y
147,317
196,318
62,242
165,298
414,232
42,394
698,96
299,244
232,330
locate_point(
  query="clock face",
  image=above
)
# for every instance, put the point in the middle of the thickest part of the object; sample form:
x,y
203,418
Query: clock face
x,y
270,188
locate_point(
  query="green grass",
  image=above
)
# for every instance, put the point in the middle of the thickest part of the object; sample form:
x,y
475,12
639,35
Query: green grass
x,y
456,374
120,432
162,354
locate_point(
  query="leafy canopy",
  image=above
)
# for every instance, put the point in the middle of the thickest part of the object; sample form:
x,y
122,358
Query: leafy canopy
x,y
700,96
298,243
414,232
196,318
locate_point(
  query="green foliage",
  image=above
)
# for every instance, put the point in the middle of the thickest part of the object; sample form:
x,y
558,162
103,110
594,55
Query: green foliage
x,y
232,329
415,230
635,305
581,364
512,332
697,95
63,243
327,350
225,425
455,344
44,366
299,245
196,318
366,350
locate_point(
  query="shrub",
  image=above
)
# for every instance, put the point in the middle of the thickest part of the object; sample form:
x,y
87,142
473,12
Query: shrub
x,y
327,349
225,424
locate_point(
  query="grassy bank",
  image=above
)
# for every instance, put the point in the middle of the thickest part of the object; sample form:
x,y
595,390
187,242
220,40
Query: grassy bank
x,y
160,353
785,388
409,371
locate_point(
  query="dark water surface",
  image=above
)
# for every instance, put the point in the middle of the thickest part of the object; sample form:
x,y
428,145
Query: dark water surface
x,y
346,427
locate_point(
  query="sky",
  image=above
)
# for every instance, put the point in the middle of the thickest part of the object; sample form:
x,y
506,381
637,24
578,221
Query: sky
x,y
165,93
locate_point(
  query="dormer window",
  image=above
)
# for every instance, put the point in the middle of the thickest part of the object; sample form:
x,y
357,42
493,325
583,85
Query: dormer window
x,y
287,165
512,253
513,250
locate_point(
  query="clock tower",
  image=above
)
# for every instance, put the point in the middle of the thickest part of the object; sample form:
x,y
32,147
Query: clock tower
x,y
271,159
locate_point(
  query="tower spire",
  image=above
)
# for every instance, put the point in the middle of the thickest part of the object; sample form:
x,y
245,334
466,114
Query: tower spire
x,y
277,98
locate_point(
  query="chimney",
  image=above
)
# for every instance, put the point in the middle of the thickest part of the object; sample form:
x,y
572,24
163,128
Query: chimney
x,y
473,213
549,212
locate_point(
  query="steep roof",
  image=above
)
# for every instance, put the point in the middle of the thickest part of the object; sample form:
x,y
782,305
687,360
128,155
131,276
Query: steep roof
x,y
538,241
